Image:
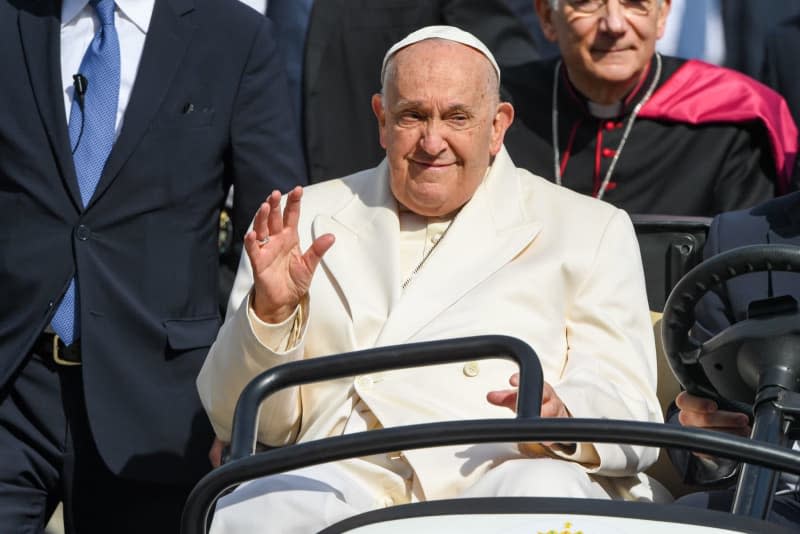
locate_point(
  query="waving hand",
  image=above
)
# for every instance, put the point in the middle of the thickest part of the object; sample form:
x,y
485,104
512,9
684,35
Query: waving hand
x,y
282,273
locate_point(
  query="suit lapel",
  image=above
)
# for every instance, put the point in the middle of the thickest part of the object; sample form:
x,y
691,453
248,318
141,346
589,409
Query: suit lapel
x,y
367,234
167,39
487,234
40,35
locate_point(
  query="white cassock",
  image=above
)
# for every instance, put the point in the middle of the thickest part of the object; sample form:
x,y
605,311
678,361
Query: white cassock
x,y
524,258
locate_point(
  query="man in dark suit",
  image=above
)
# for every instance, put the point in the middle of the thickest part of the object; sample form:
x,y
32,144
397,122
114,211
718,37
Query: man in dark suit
x,y
774,222
731,33
341,61
746,25
781,64
105,416
527,15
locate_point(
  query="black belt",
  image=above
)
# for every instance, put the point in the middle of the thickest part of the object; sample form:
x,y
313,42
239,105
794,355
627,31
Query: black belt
x,y
50,346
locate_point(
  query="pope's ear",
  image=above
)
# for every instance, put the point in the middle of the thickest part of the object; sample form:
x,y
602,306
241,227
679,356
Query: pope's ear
x,y
503,118
380,115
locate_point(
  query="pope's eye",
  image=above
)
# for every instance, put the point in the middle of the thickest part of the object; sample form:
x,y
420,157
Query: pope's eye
x,y
410,116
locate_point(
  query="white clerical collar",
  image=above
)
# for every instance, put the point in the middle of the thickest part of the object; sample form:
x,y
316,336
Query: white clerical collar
x,y
605,111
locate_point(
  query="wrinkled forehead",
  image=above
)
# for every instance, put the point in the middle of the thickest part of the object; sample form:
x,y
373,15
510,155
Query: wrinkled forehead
x,y
439,33
442,64
440,55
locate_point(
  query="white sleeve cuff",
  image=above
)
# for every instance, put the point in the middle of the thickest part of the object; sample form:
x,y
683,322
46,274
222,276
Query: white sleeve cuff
x,y
280,337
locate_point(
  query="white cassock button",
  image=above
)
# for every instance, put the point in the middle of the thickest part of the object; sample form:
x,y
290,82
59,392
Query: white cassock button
x,y
388,501
471,369
364,381
435,238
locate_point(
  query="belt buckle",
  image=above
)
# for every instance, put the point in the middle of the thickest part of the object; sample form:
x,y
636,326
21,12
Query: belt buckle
x,y
58,359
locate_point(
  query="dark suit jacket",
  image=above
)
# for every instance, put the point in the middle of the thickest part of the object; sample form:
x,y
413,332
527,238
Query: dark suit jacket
x,y
145,247
773,222
746,25
526,12
346,42
781,66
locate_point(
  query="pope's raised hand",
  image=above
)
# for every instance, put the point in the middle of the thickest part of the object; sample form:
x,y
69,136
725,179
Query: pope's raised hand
x,y
282,273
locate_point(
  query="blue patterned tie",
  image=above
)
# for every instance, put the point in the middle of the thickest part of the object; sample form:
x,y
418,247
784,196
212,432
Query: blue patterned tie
x,y
91,135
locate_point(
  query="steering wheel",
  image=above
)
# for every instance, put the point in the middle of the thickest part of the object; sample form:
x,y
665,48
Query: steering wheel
x,y
731,367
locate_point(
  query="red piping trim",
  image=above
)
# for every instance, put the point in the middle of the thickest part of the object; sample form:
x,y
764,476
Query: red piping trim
x,y
597,160
568,151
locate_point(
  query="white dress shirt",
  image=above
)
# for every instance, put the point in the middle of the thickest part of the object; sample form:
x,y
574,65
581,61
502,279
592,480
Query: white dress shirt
x,y
79,23
258,5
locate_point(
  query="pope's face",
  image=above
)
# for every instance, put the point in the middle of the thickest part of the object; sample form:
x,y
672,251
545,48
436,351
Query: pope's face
x,y
440,123
605,42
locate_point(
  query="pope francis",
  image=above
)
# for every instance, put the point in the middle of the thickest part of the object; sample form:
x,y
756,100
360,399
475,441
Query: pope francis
x,y
445,238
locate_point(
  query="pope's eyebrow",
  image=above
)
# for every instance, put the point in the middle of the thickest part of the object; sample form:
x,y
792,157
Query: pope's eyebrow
x,y
404,105
458,108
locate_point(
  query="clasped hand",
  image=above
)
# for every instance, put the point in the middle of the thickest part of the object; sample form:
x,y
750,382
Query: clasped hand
x,y
552,405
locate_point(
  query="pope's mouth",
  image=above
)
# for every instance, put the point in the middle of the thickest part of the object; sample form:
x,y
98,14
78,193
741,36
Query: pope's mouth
x,y
433,164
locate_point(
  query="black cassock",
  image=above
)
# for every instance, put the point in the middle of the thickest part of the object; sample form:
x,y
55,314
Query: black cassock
x,y
733,151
